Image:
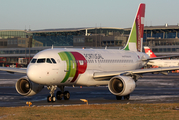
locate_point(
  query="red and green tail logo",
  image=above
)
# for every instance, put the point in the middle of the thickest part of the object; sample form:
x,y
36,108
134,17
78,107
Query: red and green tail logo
x,y
135,40
75,64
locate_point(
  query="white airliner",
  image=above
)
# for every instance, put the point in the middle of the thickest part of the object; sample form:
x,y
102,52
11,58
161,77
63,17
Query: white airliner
x,y
160,62
119,69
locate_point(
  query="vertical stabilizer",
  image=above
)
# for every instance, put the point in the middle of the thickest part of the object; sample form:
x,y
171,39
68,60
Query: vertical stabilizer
x,y
135,40
149,52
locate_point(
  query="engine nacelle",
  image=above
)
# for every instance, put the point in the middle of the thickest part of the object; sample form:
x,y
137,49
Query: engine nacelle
x,y
27,88
121,85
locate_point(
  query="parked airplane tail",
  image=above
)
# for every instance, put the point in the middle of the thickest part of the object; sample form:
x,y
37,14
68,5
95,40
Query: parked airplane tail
x,y
149,52
135,40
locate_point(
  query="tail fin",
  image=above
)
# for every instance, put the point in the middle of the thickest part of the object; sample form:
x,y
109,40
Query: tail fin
x,y
149,52
135,40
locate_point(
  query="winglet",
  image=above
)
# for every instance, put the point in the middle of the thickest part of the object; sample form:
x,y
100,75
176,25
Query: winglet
x,y
149,52
135,40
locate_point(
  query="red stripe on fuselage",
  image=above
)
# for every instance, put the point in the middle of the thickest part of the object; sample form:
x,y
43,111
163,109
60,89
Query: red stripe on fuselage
x,y
81,64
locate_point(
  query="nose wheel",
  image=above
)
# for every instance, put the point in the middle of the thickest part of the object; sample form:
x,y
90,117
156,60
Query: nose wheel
x,y
51,97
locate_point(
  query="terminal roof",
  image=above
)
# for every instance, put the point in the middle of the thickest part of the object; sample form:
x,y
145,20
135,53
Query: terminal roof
x,y
71,29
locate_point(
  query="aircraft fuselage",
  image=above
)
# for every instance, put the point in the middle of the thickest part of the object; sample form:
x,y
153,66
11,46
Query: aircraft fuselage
x,y
76,66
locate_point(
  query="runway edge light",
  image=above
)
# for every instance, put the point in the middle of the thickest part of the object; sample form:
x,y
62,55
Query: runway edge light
x,y
84,100
29,103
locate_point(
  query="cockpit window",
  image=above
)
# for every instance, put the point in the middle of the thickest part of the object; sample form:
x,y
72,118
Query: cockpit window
x,y
41,60
48,60
33,60
44,60
53,60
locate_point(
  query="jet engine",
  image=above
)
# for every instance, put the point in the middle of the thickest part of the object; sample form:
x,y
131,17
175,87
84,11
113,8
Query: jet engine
x,y
121,85
27,88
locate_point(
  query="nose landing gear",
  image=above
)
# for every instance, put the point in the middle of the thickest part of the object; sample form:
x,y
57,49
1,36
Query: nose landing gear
x,y
51,97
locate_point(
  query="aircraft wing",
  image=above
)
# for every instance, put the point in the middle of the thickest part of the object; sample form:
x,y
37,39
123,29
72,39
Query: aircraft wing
x,y
151,70
106,74
13,70
98,75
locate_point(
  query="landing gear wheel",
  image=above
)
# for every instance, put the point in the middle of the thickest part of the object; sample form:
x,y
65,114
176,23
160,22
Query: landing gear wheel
x,y
66,95
53,99
118,97
59,95
127,97
49,99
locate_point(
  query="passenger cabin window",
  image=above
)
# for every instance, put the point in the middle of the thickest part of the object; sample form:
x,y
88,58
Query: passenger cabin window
x,y
33,60
53,60
48,60
41,60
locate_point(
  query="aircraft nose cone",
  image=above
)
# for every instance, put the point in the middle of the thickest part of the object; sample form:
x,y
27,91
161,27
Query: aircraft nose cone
x,y
32,73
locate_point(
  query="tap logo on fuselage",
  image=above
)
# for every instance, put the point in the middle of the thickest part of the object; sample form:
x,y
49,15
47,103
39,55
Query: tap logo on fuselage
x,y
75,64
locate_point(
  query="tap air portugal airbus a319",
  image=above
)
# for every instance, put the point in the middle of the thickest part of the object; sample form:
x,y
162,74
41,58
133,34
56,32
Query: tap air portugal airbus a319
x,y
119,69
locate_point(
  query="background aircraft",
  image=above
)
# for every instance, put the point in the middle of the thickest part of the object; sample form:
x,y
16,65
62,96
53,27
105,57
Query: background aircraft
x,y
57,68
160,62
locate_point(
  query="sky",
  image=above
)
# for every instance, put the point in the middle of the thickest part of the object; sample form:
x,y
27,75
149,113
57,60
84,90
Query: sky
x,y
56,14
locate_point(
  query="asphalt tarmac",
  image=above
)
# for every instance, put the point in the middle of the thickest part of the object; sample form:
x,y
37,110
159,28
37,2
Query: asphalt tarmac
x,y
150,89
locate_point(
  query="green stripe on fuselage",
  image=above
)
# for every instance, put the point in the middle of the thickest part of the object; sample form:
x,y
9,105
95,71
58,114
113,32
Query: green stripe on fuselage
x,y
71,65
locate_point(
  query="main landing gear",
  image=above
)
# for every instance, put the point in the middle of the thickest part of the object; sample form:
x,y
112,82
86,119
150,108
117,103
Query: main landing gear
x,y
126,97
62,93
59,94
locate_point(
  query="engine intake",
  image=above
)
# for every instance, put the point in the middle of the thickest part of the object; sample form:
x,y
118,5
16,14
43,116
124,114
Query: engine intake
x,y
27,88
121,85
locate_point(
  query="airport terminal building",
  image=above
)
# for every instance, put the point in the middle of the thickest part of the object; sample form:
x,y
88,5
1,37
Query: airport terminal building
x,y
19,46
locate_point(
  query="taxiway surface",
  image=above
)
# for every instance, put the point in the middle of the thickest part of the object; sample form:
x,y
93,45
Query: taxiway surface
x,y
150,89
